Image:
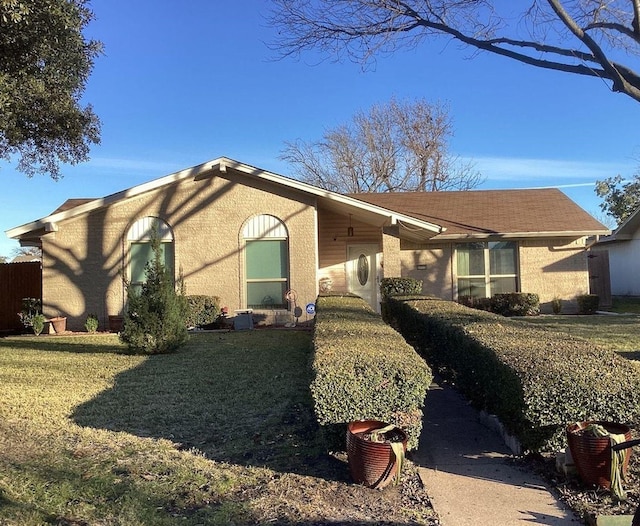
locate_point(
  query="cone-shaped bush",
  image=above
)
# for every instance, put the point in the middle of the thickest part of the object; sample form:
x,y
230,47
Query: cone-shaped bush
x,y
155,319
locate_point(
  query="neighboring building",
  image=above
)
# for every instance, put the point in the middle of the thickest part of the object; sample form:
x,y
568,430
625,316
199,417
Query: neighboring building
x,y
248,236
623,249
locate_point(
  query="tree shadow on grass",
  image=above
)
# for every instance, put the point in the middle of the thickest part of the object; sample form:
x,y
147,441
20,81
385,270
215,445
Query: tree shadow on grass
x,y
630,355
81,344
236,397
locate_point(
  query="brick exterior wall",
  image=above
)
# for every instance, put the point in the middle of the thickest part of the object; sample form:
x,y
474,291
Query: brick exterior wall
x,y
548,267
432,265
554,268
83,260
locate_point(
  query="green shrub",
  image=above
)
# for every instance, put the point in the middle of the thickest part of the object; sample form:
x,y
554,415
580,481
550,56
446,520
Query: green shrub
x,y
91,324
154,320
37,324
30,308
505,304
588,303
402,286
536,381
363,369
475,303
516,304
556,305
202,310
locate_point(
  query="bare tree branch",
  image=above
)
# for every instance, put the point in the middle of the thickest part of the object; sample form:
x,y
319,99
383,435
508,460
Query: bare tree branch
x,y
399,146
586,37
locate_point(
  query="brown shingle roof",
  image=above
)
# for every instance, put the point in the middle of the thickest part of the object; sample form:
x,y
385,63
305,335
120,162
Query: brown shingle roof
x,y
487,212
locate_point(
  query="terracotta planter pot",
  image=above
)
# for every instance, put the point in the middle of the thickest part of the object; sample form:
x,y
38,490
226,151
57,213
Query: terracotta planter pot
x,y
592,455
59,324
373,464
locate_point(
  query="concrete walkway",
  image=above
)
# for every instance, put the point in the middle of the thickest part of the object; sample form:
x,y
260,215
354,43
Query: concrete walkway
x,y
466,471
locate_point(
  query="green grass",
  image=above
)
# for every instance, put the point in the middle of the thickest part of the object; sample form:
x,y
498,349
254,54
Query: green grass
x,y
625,304
616,332
91,435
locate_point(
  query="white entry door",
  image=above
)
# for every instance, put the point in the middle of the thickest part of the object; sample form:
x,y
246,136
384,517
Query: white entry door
x,y
362,273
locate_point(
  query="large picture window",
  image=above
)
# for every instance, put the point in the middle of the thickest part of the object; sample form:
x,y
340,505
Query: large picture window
x,y
266,245
485,269
140,251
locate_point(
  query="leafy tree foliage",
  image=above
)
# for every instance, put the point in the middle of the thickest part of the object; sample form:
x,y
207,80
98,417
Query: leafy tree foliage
x,y
595,38
155,320
399,146
621,197
45,62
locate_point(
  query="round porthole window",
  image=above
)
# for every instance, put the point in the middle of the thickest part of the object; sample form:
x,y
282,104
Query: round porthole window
x,y
363,269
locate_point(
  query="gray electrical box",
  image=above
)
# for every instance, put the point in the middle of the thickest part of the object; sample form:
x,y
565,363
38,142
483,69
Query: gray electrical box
x,y
243,320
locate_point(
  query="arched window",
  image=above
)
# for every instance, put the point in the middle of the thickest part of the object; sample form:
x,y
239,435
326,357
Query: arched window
x,y
140,251
266,251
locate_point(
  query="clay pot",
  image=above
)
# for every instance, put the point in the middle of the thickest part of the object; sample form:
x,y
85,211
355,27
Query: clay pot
x,y
59,324
592,455
373,464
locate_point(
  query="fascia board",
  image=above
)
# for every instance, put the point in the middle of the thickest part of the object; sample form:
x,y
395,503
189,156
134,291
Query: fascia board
x,y
220,164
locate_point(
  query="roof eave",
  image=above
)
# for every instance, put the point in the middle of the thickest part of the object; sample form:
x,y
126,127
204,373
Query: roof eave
x,y
523,235
220,165
195,171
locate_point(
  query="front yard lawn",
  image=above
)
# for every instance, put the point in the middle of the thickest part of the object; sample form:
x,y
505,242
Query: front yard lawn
x,y
221,432
617,332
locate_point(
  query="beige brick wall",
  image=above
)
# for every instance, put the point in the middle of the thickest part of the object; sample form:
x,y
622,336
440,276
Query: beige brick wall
x,y
83,260
391,261
432,265
549,268
555,268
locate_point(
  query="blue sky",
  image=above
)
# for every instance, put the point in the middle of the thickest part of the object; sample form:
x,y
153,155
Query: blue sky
x,y
183,83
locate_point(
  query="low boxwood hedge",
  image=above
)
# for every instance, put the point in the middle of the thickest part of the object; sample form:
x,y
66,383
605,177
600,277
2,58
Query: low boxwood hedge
x,y
363,369
535,380
202,310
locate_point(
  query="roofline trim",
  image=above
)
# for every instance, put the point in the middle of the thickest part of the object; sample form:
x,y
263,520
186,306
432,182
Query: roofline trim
x,y
220,164
520,235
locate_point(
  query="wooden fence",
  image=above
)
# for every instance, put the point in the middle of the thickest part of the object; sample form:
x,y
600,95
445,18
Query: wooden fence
x,y
599,278
17,281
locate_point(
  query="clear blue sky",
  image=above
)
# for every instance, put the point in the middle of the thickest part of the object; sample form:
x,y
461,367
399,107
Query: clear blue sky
x,y
183,83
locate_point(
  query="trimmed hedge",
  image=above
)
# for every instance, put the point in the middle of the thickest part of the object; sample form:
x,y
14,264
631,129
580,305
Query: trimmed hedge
x,y
535,380
506,304
363,369
400,286
516,304
202,310
588,303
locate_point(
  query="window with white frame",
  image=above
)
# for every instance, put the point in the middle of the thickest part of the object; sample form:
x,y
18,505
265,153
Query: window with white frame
x,y
140,251
266,253
487,268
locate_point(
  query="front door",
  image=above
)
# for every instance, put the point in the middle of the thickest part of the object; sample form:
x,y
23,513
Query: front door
x,y
362,273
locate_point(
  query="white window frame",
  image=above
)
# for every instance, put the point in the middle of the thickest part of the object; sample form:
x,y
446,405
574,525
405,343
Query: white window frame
x,y
140,233
487,276
266,227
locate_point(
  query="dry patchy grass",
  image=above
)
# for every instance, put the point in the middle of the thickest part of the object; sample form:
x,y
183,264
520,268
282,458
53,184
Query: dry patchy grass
x,y
220,432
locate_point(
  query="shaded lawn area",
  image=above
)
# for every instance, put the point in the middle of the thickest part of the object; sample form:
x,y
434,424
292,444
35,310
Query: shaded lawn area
x,y
616,332
220,432
625,304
